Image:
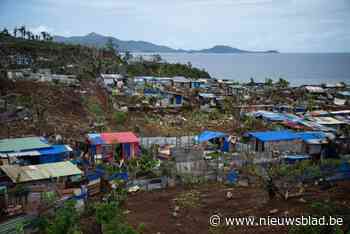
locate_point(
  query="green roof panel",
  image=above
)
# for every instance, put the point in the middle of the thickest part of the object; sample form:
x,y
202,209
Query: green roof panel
x,y
22,144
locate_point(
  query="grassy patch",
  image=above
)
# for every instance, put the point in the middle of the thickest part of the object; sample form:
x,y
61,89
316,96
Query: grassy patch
x,y
189,199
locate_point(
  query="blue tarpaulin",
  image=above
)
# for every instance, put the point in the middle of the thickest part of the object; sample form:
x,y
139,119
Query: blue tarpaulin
x,y
121,176
95,139
271,116
274,135
91,176
208,135
54,149
342,173
305,136
295,158
178,99
344,167
232,177
226,146
55,153
127,151
287,135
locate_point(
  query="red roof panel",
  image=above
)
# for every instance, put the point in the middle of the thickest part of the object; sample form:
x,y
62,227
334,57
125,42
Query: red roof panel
x,y
119,137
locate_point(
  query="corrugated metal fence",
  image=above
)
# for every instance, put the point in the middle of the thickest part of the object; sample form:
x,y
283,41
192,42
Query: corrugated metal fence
x,y
180,142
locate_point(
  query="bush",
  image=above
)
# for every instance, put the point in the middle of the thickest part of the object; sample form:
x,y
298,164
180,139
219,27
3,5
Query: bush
x,y
66,220
120,117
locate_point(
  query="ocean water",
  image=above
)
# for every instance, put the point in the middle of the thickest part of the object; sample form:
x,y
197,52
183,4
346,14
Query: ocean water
x,y
297,68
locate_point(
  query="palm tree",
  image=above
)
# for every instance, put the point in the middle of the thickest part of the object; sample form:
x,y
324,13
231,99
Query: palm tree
x,y
283,83
269,82
49,37
43,34
22,30
29,35
15,32
5,31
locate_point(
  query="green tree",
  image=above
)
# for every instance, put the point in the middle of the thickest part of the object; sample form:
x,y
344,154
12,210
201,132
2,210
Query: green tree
x,y
111,46
65,221
127,56
156,58
120,117
22,30
111,219
5,32
15,30
283,83
269,82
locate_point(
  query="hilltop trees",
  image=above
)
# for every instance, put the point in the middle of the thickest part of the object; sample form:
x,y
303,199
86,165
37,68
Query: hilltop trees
x,y
5,31
283,83
24,33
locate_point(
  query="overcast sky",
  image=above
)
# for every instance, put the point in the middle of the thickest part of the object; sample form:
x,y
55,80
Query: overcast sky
x,y
285,25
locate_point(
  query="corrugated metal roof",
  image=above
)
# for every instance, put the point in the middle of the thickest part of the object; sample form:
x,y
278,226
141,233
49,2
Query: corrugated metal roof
x,y
314,89
40,172
22,144
181,79
327,121
112,138
207,95
119,137
21,154
340,112
345,93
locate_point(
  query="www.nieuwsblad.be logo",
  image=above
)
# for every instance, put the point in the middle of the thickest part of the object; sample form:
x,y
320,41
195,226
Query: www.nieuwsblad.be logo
x,y
216,220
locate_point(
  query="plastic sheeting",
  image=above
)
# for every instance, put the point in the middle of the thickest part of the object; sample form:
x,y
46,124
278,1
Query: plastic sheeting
x,y
56,153
208,135
274,135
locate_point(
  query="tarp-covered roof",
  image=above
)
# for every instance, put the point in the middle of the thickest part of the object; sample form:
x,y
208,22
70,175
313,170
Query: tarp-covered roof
x,y
52,150
274,135
207,95
112,138
208,135
327,121
306,136
272,116
55,149
40,172
288,135
22,144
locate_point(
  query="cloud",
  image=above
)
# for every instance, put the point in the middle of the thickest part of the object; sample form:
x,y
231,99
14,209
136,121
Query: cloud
x,y
286,25
40,28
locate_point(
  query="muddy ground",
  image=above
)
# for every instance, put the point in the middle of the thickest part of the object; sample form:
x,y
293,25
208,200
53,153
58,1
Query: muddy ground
x,y
154,210
68,111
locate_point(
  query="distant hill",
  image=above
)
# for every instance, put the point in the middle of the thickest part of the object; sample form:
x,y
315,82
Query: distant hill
x,y
221,49
94,39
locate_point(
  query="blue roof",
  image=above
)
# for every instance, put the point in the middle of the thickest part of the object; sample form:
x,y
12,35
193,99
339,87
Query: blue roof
x,y
272,116
305,136
297,157
95,139
207,95
345,93
54,149
208,135
287,135
274,135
